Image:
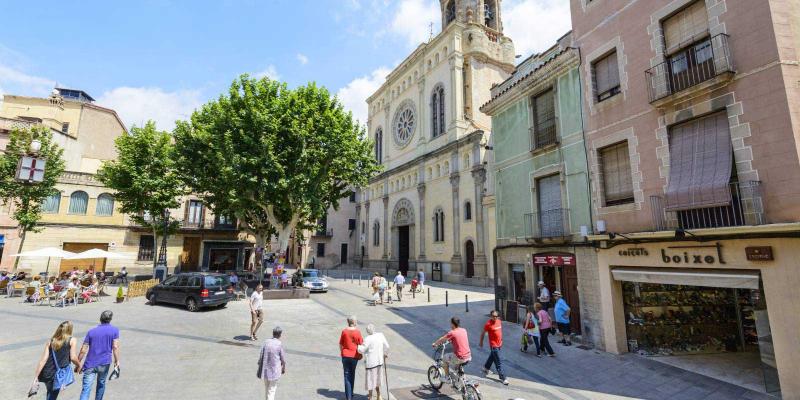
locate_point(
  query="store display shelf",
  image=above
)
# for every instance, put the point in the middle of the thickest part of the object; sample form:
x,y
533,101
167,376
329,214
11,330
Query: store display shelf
x,y
681,305
705,323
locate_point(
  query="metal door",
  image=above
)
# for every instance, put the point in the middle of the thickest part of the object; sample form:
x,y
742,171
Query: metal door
x,y
549,196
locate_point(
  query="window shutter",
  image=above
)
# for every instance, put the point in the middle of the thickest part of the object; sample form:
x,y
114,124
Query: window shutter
x,y
606,72
617,181
685,27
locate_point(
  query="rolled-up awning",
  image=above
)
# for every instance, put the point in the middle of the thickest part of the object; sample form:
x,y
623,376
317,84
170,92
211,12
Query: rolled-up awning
x,y
737,280
701,159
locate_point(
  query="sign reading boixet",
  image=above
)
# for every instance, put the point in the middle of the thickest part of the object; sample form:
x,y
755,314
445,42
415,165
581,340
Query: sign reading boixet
x,y
700,254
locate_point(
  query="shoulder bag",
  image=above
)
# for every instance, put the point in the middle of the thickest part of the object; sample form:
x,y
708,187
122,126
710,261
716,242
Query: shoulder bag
x,y
64,375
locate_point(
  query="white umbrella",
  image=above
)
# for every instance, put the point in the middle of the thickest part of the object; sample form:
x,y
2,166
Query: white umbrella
x,y
46,252
96,253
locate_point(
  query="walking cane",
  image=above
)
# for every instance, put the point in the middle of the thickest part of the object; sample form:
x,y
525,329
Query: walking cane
x,y
388,396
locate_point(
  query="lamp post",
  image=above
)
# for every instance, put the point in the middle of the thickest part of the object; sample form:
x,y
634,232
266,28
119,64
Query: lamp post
x,y
29,170
162,256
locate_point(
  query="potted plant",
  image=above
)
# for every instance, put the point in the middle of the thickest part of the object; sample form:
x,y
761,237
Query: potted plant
x,y
120,297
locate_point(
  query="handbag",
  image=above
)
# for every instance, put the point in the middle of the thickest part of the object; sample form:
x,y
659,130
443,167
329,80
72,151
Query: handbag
x,y
64,375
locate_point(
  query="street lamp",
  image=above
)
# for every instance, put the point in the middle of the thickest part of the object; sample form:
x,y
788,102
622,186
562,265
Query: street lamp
x,y
31,168
161,265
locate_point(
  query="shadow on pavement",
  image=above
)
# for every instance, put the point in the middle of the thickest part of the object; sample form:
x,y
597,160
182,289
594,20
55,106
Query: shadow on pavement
x,y
338,394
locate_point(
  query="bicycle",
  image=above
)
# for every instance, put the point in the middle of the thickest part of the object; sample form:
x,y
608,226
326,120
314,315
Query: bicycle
x,y
460,383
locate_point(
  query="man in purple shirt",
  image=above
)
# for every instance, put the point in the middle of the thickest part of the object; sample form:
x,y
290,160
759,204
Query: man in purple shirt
x,y
272,363
100,344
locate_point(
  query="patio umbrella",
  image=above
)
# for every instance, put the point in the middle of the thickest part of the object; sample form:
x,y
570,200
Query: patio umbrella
x,y
96,253
46,252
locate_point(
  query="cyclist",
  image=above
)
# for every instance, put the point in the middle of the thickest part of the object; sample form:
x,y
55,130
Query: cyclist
x,y
461,354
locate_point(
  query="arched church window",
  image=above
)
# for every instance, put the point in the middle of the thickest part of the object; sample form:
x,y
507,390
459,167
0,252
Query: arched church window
x,y
438,225
468,211
379,144
376,234
437,111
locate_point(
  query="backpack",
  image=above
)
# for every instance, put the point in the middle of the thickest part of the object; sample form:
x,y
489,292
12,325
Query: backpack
x,y
64,375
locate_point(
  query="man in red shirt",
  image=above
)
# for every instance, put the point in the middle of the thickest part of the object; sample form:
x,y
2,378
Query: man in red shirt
x,y
494,327
458,338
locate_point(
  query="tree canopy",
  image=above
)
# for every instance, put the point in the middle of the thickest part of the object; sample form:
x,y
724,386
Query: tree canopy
x,y
273,157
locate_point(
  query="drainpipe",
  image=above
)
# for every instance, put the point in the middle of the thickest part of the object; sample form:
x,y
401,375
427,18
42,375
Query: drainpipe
x,y
585,142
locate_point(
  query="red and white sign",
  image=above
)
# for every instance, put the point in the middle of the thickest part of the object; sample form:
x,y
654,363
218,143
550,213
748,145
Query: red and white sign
x,y
554,259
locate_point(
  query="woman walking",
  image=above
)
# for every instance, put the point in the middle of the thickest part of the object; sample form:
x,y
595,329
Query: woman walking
x,y
374,349
545,328
531,333
59,351
348,346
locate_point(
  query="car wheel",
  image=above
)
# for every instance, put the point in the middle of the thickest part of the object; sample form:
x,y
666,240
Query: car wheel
x,y
223,305
153,299
191,305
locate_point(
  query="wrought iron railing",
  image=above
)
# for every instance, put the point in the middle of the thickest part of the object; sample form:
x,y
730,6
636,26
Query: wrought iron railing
x,y
544,134
547,224
746,208
206,223
323,233
698,63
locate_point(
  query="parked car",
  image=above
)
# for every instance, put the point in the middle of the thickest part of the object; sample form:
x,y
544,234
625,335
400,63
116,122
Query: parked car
x,y
314,281
195,290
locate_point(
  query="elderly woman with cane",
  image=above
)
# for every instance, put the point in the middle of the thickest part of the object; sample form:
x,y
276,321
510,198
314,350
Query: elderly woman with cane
x,y
374,349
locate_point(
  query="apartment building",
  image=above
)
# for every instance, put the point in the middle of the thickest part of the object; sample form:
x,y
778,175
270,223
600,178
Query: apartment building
x,y
691,122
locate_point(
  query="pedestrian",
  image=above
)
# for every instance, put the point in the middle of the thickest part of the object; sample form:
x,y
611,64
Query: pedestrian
x,y
531,333
375,282
256,311
494,327
234,279
99,346
544,296
59,352
421,280
348,346
561,311
374,350
284,279
545,328
382,285
399,282
123,275
272,363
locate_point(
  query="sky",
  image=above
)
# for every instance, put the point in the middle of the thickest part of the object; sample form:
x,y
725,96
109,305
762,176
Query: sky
x,y
160,59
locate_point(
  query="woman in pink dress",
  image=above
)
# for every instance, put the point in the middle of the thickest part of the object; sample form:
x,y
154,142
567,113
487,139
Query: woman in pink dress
x,y
545,327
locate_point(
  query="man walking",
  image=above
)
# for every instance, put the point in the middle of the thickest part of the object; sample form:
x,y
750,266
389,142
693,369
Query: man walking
x,y
544,295
99,345
399,282
272,362
494,327
256,311
561,311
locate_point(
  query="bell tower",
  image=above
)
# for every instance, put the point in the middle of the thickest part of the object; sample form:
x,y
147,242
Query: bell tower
x,y
483,12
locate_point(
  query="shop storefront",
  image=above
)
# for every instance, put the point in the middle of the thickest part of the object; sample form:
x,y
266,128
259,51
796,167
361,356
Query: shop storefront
x,y
705,306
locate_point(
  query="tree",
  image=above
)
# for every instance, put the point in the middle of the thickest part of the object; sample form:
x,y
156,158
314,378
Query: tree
x,y
274,157
25,198
144,178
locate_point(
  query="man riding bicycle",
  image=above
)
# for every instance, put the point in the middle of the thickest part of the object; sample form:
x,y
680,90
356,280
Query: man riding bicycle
x,y
457,336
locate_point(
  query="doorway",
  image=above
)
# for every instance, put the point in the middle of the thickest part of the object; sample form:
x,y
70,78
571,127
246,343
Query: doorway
x,y
403,249
190,258
518,282
469,251
343,254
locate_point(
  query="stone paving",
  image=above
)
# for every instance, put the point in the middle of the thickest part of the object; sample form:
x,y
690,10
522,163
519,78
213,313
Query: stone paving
x,y
169,353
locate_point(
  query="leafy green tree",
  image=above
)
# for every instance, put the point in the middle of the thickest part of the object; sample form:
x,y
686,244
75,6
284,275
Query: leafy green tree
x,y
25,198
274,157
144,178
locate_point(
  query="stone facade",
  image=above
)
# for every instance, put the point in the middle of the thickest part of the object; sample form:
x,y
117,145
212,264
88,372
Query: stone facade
x,y
326,244
427,207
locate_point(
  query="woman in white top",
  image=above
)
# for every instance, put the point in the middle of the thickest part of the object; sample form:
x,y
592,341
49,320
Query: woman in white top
x,y
374,349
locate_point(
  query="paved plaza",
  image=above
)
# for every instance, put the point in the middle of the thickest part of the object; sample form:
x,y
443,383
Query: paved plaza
x,y
169,353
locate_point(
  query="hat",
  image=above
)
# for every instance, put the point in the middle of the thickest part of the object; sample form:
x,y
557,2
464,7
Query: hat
x,y
557,293
541,283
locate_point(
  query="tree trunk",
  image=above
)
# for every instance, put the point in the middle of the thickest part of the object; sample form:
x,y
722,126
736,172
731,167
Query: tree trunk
x,y
19,250
155,246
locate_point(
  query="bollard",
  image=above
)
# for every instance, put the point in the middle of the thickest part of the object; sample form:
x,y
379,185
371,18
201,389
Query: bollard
x,y
359,279
429,295
466,301
446,299
351,278
413,294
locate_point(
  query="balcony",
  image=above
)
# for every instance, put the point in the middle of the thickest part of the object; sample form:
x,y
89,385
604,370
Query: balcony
x,y
325,233
550,224
746,208
700,62
207,224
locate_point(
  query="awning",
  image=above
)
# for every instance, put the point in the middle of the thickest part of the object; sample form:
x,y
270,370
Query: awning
x,y
701,159
738,280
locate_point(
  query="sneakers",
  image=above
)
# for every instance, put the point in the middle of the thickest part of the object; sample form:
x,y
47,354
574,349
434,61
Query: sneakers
x,y
486,371
505,382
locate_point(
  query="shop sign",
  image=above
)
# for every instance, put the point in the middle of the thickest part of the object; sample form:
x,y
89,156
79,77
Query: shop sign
x,y
634,252
554,259
690,256
759,253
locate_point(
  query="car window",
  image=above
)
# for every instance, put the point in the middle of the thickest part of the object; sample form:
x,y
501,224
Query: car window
x,y
216,281
194,281
310,274
183,280
171,281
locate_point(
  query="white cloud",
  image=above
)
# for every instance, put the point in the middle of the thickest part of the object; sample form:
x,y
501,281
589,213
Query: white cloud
x,y
354,95
413,18
534,25
270,72
138,105
302,58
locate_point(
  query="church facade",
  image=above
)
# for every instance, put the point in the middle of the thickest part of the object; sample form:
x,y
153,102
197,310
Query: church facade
x,y
431,208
